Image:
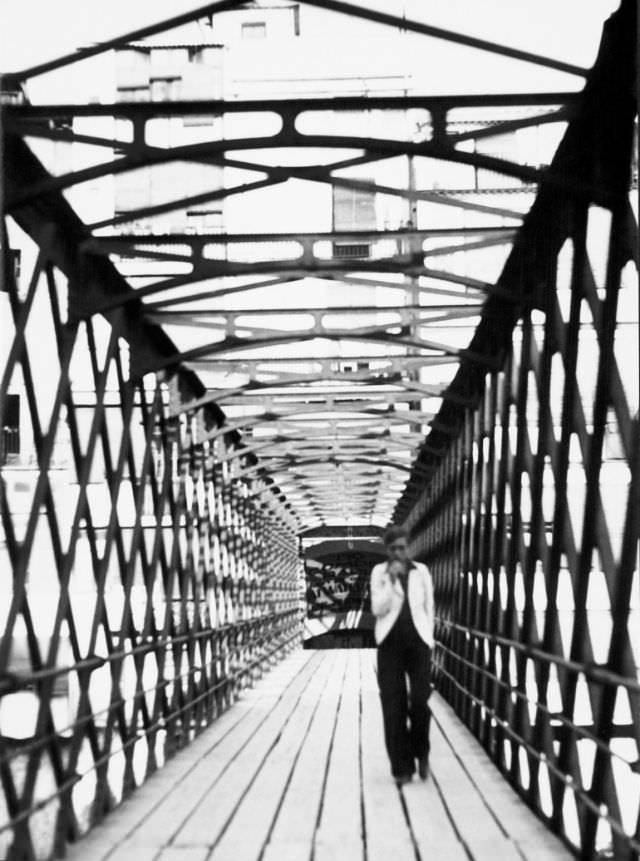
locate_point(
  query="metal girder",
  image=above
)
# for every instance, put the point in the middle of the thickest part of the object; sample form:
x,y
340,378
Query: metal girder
x,y
332,399
475,492
53,223
400,321
138,112
306,395
37,121
534,507
337,269
330,460
373,380
326,365
289,443
220,6
202,621
127,242
138,246
316,434
233,344
532,257
364,411
405,313
211,154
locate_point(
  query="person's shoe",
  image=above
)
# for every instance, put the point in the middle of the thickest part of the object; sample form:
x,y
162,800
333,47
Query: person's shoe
x,y
423,767
402,779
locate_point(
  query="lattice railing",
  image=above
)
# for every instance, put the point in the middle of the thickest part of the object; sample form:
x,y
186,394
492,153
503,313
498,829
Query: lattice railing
x,y
530,522
144,583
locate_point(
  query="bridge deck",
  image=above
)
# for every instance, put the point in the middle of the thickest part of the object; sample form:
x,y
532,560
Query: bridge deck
x,y
297,770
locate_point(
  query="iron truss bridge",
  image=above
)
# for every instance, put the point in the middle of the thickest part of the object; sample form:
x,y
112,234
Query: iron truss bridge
x,y
190,411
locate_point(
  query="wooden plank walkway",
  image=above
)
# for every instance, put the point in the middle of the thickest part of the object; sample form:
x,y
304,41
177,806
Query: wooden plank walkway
x,y
296,770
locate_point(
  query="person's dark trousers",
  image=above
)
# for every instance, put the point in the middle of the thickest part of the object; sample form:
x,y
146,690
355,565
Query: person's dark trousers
x,y
404,654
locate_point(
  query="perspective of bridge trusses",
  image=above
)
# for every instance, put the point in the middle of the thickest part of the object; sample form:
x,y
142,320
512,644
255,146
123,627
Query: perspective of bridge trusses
x,y
342,400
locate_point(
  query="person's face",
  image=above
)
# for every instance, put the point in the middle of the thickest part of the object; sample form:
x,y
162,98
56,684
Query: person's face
x,y
397,551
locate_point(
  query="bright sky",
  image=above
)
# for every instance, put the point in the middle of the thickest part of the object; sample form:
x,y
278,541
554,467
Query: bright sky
x,y
35,30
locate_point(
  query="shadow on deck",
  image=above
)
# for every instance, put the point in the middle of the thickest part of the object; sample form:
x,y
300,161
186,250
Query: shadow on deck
x,y
297,770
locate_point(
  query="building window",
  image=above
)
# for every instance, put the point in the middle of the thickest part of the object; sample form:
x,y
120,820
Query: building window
x,y
10,437
166,89
253,30
504,147
353,209
133,94
205,219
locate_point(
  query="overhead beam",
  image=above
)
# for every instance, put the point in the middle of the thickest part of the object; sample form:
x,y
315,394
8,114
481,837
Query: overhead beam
x,y
145,111
108,244
370,382
298,270
404,24
289,137
408,417
234,344
257,366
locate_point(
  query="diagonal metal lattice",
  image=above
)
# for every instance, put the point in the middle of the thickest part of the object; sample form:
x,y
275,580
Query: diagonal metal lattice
x,y
530,521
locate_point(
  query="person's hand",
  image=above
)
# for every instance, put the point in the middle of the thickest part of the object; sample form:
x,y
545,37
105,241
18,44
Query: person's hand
x,y
394,569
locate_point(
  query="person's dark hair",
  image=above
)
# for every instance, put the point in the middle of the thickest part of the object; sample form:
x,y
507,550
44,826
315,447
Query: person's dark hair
x,y
393,533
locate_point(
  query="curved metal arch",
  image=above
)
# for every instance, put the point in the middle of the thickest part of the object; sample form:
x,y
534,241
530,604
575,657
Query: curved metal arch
x,y
144,246
229,345
367,377
255,419
296,270
386,147
330,460
314,173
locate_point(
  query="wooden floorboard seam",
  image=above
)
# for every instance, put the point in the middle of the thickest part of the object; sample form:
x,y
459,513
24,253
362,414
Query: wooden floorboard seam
x,y
297,770
439,724
292,771
387,830
197,829
534,841
296,823
104,841
253,726
248,830
339,832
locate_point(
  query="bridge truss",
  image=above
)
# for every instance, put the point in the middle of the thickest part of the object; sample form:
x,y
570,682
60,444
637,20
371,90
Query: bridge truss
x,y
207,427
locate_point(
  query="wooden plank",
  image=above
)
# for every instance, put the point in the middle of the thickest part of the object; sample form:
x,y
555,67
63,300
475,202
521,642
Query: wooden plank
x,y
150,816
145,853
214,810
248,831
340,832
161,825
182,854
534,840
386,826
292,835
473,821
297,761
429,823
